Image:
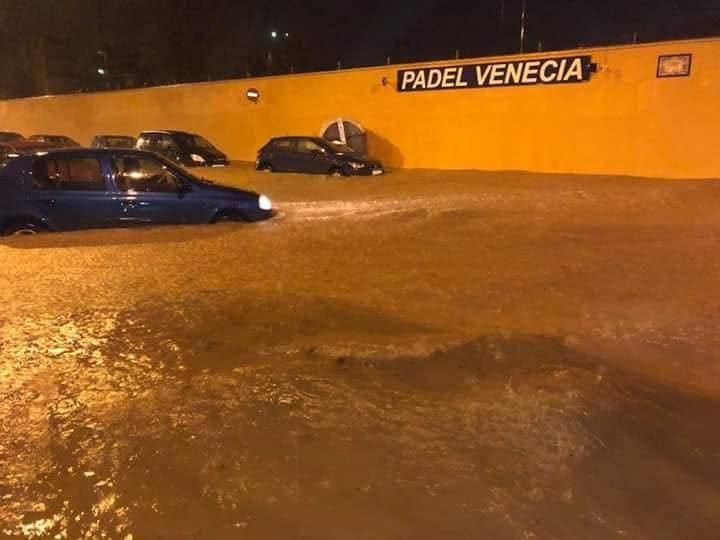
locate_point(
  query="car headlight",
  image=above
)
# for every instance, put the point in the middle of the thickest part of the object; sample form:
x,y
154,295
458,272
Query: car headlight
x,y
356,165
197,159
264,203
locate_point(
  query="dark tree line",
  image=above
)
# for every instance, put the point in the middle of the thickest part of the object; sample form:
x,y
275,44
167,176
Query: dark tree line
x,y
59,45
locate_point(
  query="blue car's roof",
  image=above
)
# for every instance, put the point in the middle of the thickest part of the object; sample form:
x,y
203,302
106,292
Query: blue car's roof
x,y
25,160
85,151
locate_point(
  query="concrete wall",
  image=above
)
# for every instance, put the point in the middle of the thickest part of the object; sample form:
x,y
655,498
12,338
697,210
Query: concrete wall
x,y
624,121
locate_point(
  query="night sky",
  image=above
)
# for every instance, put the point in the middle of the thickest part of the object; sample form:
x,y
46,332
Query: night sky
x,y
53,45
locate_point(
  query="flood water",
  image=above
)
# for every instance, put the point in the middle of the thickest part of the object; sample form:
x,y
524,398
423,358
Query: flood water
x,y
427,355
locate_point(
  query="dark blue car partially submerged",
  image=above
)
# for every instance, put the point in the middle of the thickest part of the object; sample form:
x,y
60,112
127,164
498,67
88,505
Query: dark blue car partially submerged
x,y
74,189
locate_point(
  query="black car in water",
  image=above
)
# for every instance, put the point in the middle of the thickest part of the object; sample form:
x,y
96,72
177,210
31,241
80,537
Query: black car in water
x,y
188,149
113,141
315,155
58,190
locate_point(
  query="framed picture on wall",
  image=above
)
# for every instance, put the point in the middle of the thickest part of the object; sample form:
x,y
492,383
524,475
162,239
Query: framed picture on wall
x,y
674,65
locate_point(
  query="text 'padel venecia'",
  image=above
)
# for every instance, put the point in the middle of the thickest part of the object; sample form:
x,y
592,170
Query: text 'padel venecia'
x,y
562,70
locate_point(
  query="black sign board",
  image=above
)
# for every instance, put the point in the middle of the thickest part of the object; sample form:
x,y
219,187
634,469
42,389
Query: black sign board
x,y
560,70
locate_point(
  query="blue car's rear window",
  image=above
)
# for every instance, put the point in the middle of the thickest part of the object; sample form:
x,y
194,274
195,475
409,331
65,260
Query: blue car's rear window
x,y
73,173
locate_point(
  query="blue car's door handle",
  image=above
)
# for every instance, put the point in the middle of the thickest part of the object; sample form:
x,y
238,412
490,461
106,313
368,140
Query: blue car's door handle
x,y
133,204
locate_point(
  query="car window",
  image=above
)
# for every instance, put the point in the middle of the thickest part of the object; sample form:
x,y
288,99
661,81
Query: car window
x,y
341,147
148,141
74,174
144,175
192,141
165,142
119,142
201,142
306,146
283,145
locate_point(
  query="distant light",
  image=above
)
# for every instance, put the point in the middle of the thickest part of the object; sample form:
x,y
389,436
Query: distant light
x,y
101,71
273,34
287,34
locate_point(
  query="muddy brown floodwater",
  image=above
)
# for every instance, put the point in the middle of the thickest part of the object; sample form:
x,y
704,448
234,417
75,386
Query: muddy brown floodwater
x,y
421,356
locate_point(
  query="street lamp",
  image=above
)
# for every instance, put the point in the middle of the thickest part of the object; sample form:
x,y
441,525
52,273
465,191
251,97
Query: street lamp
x,y
103,70
522,26
279,40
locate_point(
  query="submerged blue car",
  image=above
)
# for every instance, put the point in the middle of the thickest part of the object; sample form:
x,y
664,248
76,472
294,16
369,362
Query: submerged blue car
x,y
71,189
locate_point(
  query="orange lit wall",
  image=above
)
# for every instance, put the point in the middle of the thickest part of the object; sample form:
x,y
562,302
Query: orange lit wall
x,y
624,121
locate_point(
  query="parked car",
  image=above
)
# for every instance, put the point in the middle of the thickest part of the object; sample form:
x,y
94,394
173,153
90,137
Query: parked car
x,y
113,141
89,188
188,149
315,155
10,136
59,140
14,149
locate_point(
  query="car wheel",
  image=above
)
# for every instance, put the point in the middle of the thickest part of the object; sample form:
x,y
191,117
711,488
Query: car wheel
x,y
336,172
265,167
23,229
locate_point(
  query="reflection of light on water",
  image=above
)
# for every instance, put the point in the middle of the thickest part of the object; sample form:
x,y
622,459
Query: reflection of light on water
x,y
37,528
356,210
59,390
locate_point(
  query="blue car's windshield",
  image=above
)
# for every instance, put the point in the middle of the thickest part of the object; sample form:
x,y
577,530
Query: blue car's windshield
x,y
181,171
